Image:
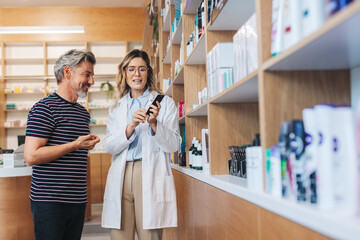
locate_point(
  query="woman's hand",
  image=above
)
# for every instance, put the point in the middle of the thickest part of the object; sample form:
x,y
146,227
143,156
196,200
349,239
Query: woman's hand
x,y
139,117
154,112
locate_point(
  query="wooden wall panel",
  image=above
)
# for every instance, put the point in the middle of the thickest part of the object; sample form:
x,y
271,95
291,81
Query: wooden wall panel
x,y
105,165
230,124
286,94
264,7
195,81
95,176
207,213
101,23
15,208
2,98
178,93
276,227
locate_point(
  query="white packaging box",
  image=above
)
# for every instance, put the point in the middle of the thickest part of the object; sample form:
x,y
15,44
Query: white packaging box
x,y
240,63
314,17
218,80
223,55
251,44
291,23
8,160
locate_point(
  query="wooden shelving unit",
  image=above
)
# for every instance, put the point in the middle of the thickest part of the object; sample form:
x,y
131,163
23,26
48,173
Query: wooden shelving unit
x,y
316,70
31,64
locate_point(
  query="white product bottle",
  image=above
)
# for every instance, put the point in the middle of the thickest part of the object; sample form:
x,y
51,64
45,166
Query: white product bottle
x,y
254,162
291,23
199,163
325,171
190,152
275,171
277,26
311,150
312,16
345,161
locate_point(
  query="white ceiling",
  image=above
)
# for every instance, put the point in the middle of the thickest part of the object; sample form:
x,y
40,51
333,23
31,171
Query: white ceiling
x,y
72,3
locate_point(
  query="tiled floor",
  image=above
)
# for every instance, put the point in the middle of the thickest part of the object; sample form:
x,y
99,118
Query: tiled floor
x,y
92,227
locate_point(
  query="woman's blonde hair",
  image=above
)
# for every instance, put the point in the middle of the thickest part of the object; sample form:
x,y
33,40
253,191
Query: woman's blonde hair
x,y
122,88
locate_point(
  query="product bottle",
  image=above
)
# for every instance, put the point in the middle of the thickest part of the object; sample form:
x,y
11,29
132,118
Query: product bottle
x,y
345,161
325,190
298,147
254,166
199,22
190,152
199,165
311,140
193,154
203,18
283,158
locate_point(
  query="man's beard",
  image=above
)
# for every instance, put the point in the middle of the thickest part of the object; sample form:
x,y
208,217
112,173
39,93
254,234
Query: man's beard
x,y
81,94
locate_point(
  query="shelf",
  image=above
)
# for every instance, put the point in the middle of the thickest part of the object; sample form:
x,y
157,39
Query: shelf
x,y
179,79
325,222
201,110
167,24
169,90
334,46
25,93
167,57
109,59
191,6
17,110
182,120
198,54
98,108
24,61
177,35
233,15
246,90
23,127
22,77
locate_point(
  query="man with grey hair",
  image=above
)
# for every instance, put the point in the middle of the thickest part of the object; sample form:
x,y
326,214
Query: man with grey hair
x,y
56,146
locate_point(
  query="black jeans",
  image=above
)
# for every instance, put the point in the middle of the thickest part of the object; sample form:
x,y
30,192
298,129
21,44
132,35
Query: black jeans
x,y
57,221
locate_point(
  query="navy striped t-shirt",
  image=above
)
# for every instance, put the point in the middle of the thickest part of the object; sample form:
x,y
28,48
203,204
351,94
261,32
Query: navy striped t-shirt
x,y
60,121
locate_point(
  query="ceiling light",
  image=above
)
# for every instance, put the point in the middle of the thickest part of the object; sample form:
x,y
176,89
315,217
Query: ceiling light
x,y
41,29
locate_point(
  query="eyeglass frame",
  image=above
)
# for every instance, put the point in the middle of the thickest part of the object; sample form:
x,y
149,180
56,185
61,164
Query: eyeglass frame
x,y
138,69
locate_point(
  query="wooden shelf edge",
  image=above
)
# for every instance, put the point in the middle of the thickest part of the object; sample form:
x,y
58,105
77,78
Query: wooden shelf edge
x,y
234,86
188,59
194,112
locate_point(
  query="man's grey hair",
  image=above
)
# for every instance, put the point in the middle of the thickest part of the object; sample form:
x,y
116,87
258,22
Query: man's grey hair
x,y
72,58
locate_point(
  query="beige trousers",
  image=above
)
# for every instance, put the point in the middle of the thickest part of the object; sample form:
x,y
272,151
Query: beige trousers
x,y
132,213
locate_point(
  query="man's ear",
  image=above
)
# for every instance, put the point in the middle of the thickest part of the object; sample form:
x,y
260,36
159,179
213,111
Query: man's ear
x,y
67,72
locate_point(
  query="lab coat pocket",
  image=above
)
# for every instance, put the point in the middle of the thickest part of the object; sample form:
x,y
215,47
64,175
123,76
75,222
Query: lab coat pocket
x,y
165,189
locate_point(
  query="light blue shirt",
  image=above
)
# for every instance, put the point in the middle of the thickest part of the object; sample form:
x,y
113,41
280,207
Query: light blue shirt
x,y
134,104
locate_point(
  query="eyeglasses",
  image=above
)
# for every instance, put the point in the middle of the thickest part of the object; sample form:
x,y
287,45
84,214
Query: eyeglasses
x,y
131,70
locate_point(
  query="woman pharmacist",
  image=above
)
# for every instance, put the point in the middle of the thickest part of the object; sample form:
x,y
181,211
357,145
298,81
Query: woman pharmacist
x,y
140,192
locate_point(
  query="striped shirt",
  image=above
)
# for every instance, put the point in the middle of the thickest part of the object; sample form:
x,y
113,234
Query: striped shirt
x,y
60,121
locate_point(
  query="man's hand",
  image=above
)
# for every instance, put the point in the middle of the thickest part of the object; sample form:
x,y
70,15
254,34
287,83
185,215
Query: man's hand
x,y
87,142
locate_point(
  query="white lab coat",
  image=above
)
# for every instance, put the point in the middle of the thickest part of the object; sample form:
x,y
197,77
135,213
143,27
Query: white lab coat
x,y
159,198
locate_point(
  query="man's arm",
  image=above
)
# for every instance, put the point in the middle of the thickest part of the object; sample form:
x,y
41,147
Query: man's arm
x,y
36,152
